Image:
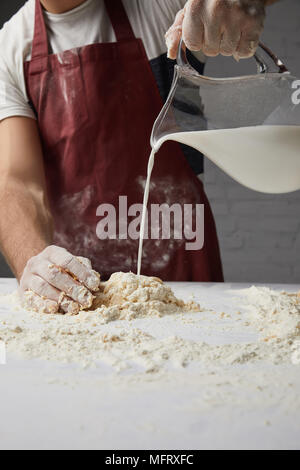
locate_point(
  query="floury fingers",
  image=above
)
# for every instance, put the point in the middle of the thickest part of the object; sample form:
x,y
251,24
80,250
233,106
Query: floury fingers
x,y
56,281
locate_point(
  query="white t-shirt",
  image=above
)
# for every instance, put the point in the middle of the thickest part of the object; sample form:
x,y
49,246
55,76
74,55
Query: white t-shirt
x,y
86,24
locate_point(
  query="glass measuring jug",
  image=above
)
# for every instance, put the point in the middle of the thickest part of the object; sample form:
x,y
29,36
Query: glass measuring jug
x,y
249,125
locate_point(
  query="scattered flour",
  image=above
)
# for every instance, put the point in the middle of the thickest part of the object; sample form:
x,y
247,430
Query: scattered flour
x,y
276,315
114,334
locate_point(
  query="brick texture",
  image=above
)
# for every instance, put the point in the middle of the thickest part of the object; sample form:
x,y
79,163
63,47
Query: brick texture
x,y
259,234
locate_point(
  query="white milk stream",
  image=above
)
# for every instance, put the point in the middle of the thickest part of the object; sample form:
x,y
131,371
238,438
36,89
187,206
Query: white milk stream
x,y
262,158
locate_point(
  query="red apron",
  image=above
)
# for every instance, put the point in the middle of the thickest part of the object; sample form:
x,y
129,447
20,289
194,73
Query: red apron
x,y
96,106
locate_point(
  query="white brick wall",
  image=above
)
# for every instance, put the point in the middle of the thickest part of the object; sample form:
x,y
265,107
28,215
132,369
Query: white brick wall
x,y
259,234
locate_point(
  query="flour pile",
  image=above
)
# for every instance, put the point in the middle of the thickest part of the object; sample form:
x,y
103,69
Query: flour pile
x,y
119,331
276,315
127,296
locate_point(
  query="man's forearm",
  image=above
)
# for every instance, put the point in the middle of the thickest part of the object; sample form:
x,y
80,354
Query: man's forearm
x,y
25,223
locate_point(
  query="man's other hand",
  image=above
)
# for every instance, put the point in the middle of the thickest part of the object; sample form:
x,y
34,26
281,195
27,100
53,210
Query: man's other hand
x,y
227,27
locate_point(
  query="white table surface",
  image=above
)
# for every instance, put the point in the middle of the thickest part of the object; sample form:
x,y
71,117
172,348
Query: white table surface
x,y
45,405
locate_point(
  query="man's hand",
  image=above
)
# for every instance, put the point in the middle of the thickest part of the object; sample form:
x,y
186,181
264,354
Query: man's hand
x,y
227,27
55,281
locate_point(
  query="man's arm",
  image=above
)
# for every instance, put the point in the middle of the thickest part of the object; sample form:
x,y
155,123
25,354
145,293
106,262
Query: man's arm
x,y
227,27
51,278
25,218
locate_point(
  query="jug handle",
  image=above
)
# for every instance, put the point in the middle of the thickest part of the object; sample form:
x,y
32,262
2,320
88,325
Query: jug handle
x,y
262,66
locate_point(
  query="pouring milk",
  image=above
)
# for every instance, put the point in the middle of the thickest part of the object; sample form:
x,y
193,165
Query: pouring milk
x,y
262,158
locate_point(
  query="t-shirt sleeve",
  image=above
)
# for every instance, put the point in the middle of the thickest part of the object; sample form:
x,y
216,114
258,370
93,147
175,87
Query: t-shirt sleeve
x,y
13,102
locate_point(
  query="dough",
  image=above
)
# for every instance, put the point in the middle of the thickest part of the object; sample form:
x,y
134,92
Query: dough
x,y
128,296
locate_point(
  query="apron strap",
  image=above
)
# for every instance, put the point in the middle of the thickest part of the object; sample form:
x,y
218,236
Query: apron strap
x,y
40,47
119,20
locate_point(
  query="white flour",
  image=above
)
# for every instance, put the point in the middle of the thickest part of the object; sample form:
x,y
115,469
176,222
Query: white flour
x,y
114,334
276,315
